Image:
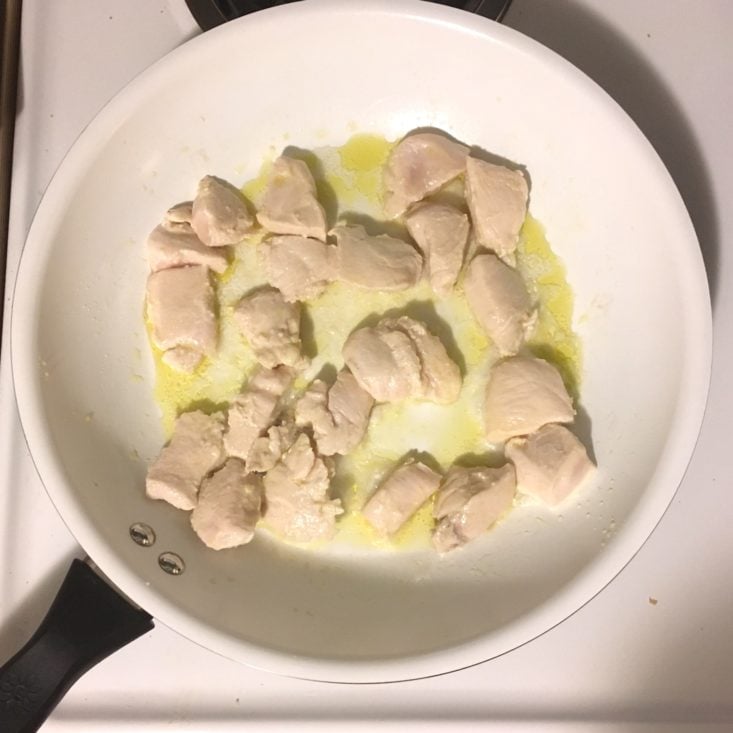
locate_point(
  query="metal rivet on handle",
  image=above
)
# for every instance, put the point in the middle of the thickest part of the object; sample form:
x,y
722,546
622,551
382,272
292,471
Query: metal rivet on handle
x,y
142,534
171,563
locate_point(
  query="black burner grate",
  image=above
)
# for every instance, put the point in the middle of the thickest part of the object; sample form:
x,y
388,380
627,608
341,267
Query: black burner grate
x,y
210,13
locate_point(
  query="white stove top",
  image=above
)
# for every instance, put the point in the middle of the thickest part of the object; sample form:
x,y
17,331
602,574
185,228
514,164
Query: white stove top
x,y
654,651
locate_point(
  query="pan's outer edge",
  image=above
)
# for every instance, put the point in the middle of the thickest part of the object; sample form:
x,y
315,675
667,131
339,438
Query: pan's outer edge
x,y
10,21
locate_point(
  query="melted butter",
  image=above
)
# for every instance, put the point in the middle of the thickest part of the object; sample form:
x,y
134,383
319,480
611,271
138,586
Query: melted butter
x,y
553,337
364,156
349,183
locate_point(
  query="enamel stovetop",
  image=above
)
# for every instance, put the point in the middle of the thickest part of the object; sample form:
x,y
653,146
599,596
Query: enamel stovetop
x,y
654,651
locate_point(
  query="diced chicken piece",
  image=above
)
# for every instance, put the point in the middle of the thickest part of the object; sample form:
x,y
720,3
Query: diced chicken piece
x,y
441,232
182,358
312,406
384,362
440,376
229,507
497,199
219,215
194,450
419,165
500,302
181,309
289,204
255,409
269,448
403,492
375,263
179,214
300,268
298,506
399,358
176,244
550,464
470,501
472,249
522,395
339,416
272,327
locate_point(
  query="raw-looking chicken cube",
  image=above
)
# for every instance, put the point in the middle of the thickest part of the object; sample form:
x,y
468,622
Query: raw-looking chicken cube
x,y
497,199
219,214
400,495
300,268
440,376
182,358
419,165
271,326
550,463
470,501
399,358
179,214
375,263
194,450
269,447
441,232
338,415
289,204
229,506
500,302
384,362
298,505
253,410
181,309
176,244
522,395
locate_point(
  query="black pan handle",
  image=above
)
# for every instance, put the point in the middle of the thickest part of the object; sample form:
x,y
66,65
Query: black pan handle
x,y
87,621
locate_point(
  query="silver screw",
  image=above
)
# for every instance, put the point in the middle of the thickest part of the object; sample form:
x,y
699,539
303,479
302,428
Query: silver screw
x,y
142,534
171,563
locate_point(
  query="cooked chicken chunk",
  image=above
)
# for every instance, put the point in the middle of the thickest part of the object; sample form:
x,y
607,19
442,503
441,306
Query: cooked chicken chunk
x,y
195,449
179,214
300,268
441,232
470,500
375,263
255,409
289,204
472,249
384,362
339,416
296,491
418,166
497,199
269,448
399,358
229,506
173,245
522,395
271,326
182,358
439,375
219,215
500,302
403,492
550,463
180,306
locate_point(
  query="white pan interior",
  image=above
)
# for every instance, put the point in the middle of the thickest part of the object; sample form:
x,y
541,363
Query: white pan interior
x,y
311,74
